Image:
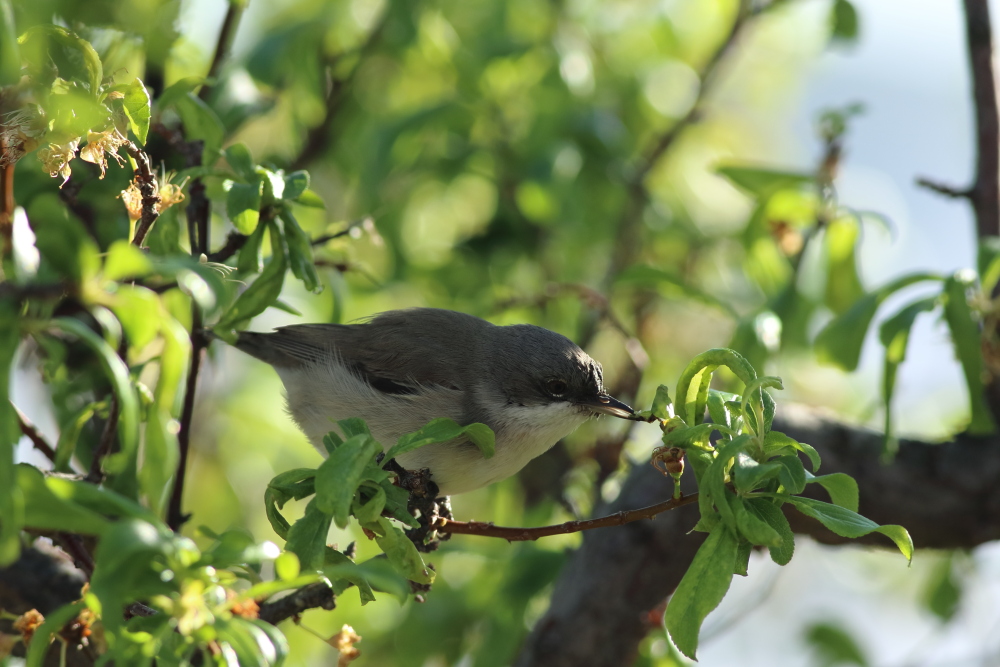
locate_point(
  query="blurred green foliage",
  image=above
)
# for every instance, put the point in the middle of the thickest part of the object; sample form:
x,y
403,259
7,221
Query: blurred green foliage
x,y
612,171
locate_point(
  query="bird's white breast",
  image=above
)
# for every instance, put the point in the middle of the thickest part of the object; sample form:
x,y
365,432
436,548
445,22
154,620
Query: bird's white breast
x,y
319,396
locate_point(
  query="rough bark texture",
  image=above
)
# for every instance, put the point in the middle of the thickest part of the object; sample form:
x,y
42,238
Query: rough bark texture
x,y
946,495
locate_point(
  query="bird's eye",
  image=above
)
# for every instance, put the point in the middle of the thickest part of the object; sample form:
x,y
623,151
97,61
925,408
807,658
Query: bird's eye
x,y
556,387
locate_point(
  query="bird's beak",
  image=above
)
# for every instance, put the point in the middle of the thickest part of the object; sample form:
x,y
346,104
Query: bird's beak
x,y
606,405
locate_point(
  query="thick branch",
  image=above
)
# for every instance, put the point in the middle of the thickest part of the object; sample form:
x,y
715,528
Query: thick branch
x,y
985,191
512,534
946,495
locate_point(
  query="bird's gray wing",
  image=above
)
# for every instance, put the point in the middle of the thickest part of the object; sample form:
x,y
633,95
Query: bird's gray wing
x,y
395,352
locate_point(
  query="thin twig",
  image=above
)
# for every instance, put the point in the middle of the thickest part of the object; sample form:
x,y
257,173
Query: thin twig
x,y
37,439
227,34
512,534
946,190
308,597
198,213
6,202
234,241
145,179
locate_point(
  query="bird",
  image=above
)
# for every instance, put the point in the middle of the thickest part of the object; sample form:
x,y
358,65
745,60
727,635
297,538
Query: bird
x,y
402,368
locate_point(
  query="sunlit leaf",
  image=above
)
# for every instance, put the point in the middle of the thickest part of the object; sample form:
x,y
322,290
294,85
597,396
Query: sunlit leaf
x,y
443,430
966,339
701,589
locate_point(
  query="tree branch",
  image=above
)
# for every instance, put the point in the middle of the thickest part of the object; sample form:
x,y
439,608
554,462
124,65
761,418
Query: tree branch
x,y
37,439
985,191
227,33
943,189
198,213
145,179
308,597
524,534
946,495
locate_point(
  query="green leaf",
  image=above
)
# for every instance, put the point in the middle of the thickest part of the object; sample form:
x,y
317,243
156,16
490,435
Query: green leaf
x,y
44,510
45,45
243,203
844,22
264,291
701,589
251,258
834,646
340,475
843,286
692,387
767,511
753,526
310,199
718,411
895,336
842,488
743,559
661,407
124,260
127,557
137,109
760,403
401,553
12,501
139,310
239,158
201,123
840,341
712,484
763,183
296,184
943,593
443,430
286,566
69,433
298,483
748,474
775,441
844,522
10,58
307,536
63,242
117,373
353,426
968,348
791,475
300,255
371,510
988,263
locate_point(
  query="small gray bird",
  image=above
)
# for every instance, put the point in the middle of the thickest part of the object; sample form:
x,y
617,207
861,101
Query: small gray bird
x,y
403,368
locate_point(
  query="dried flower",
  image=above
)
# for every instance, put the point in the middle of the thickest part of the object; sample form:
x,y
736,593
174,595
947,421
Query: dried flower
x,y
100,145
344,642
27,623
55,159
169,194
